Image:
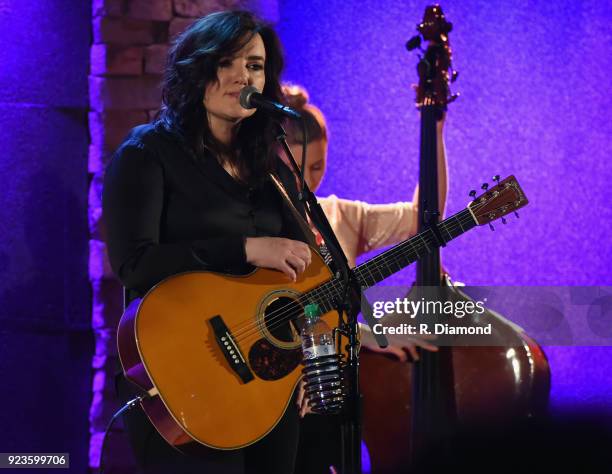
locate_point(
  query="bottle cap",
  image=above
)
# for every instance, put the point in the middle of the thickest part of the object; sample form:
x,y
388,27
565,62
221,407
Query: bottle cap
x,y
311,311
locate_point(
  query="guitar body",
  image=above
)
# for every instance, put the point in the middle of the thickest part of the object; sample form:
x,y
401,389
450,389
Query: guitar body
x,y
220,355
168,347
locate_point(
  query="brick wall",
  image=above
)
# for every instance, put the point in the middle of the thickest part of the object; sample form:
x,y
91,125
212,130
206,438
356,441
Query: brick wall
x,y
130,43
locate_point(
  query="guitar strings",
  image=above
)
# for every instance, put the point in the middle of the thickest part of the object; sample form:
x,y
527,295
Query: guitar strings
x,y
292,311
390,258
321,293
395,255
288,311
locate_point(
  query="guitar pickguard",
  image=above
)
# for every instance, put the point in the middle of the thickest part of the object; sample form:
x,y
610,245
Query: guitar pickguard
x,y
272,363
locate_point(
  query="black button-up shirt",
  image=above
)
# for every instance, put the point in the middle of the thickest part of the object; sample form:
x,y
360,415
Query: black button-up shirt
x,y
167,211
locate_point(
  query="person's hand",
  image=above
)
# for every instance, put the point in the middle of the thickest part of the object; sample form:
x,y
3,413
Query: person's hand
x,y
288,256
404,346
303,403
399,345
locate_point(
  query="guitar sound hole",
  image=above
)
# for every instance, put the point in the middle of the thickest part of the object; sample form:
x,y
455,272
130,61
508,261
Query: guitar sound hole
x,y
280,318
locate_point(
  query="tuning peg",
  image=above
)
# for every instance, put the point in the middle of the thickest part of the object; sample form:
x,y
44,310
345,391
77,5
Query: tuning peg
x,y
491,226
484,186
503,220
413,43
516,214
473,193
496,178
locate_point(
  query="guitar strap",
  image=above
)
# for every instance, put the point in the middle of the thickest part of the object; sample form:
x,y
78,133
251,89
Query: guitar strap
x,y
307,231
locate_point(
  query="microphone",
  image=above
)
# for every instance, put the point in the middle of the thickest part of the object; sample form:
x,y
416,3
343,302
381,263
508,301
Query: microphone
x,y
251,98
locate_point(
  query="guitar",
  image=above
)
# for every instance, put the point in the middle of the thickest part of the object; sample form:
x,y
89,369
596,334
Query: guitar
x,y
217,354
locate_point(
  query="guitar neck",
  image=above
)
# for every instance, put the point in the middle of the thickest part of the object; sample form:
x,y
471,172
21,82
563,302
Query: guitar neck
x,y
409,251
394,259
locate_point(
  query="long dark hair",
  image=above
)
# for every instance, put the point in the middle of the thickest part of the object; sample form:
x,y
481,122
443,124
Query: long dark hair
x,y
192,65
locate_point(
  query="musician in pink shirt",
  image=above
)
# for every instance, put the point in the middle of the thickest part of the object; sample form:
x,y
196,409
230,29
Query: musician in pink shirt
x,y
359,226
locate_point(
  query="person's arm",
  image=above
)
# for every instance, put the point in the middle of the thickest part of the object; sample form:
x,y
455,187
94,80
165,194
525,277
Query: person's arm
x,y
387,224
133,202
398,346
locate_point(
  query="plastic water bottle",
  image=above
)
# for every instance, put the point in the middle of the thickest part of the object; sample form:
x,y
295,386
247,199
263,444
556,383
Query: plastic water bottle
x,y
322,372
317,337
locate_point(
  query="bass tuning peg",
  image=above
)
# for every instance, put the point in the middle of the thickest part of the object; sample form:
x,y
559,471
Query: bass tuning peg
x,y
491,226
503,219
484,186
496,178
473,193
413,43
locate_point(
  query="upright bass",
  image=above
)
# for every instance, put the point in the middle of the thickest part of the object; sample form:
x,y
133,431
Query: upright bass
x,y
408,408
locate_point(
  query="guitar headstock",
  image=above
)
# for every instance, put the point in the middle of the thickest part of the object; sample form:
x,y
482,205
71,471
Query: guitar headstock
x,y
498,201
435,65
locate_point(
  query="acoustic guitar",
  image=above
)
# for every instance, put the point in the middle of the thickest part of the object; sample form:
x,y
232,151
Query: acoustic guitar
x,y
219,355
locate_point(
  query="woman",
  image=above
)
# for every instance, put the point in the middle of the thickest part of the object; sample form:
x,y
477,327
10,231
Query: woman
x,y
191,191
359,226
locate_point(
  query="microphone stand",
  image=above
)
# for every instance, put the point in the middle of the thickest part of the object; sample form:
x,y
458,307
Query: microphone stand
x,y
349,302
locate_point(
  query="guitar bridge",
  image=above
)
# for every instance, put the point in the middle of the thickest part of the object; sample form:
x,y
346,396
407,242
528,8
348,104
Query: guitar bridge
x,y
230,349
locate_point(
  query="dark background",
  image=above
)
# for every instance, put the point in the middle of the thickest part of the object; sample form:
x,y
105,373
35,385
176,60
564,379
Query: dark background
x,y
46,345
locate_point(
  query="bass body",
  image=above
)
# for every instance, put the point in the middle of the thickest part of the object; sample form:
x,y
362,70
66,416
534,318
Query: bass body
x,y
494,385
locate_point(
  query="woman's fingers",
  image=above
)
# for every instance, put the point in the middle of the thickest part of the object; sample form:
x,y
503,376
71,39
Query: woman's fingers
x,y
413,352
297,256
298,263
302,401
302,251
426,345
305,407
305,410
288,270
288,256
398,352
399,349
300,394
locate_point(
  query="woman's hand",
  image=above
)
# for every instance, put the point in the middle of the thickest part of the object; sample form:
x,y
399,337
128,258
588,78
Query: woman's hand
x,y
288,256
302,401
400,351
399,346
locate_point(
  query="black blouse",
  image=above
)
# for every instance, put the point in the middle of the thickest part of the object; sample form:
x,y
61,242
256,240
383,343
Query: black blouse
x,y
167,211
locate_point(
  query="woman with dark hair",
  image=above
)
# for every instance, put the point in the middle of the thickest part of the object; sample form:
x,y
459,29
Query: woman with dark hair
x,y
360,227
192,191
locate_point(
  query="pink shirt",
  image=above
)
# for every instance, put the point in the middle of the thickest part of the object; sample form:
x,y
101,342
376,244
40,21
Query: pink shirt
x,y
361,227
